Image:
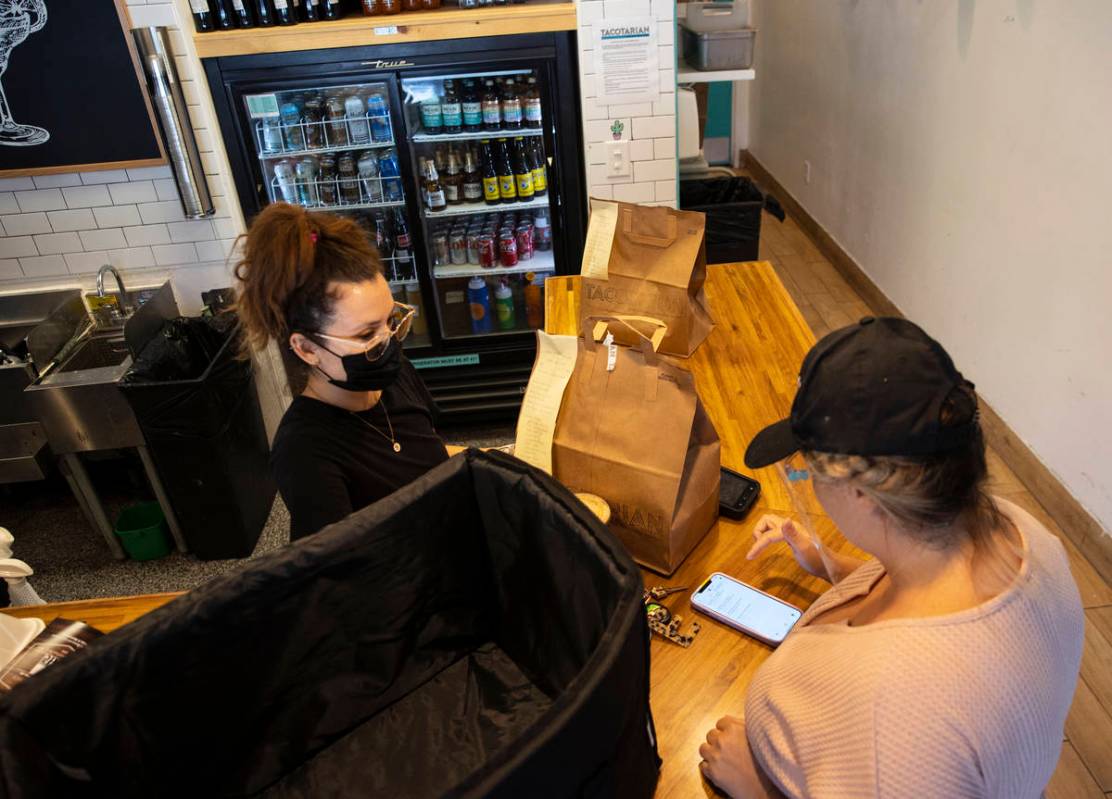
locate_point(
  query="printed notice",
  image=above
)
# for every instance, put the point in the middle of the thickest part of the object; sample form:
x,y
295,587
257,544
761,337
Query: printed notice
x,y
536,426
600,238
626,61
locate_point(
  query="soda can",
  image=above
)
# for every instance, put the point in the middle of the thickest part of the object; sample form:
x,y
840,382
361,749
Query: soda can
x,y
542,232
390,173
359,132
271,135
308,174
379,113
488,251
457,244
368,176
291,126
349,179
336,134
507,249
286,178
440,249
326,182
524,242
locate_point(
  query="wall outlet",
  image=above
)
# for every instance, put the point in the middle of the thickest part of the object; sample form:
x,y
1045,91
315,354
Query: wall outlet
x,y
617,159
807,172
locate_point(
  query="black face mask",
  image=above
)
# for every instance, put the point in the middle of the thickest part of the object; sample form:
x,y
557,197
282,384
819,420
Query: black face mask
x,y
364,375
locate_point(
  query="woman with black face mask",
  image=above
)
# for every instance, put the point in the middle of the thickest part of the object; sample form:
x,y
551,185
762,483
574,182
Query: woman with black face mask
x,y
364,424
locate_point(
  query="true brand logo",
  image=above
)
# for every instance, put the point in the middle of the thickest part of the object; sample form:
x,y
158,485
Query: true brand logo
x,y
380,64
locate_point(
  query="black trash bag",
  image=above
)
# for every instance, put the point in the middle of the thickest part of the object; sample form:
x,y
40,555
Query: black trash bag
x,y
181,350
478,633
733,210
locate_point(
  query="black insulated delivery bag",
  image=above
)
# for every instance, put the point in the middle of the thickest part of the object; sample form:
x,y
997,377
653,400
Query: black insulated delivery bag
x,y
476,634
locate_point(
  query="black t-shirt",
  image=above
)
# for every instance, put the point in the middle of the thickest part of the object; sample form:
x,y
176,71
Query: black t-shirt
x,y
328,463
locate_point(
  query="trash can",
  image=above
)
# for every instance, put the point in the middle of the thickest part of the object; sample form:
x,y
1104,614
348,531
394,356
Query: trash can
x,y
198,409
478,633
733,208
142,532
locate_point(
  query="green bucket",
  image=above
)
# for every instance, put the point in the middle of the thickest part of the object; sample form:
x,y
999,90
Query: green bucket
x,y
142,531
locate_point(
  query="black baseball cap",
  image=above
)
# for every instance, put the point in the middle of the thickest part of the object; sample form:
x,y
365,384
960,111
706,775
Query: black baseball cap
x,y
874,388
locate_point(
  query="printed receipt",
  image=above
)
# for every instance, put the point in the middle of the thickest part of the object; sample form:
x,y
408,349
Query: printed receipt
x,y
600,238
536,425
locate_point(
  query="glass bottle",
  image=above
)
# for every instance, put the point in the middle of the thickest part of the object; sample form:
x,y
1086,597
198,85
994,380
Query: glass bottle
x,y
472,181
511,106
492,107
203,18
436,198
507,185
532,109
453,180
451,108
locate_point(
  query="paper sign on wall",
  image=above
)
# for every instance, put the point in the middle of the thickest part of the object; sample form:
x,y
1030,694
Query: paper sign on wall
x,y
626,61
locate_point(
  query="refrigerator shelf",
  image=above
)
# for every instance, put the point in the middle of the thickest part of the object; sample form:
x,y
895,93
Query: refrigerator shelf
x,y
343,148
482,208
354,206
421,136
540,262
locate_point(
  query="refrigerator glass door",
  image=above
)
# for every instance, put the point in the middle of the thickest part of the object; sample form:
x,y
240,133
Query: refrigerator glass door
x,y
333,149
477,142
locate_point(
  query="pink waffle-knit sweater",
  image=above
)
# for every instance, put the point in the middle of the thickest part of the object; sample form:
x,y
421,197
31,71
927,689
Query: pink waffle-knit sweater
x,y
970,704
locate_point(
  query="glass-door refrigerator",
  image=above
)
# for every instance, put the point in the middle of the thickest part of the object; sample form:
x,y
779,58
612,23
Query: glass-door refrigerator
x,y
462,161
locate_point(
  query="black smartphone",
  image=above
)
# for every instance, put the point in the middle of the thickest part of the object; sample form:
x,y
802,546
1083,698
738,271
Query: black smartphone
x,y
737,494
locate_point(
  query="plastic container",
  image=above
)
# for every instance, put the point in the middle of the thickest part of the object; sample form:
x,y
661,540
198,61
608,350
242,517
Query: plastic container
x,y
719,50
142,532
707,17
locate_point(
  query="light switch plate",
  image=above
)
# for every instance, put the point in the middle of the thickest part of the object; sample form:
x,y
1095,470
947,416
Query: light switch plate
x,y
617,159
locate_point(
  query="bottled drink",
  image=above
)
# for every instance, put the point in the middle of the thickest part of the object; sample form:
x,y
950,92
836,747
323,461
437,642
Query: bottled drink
x,y
472,107
413,297
380,232
349,179
472,184
330,9
542,231
390,6
222,11
523,174
391,176
533,301
359,132
313,112
432,115
311,10
504,306
411,5
403,249
371,8
337,126
401,230
451,108
270,132
203,18
492,106
264,12
491,192
379,113
368,176
436,199
326,188
242,14
453,181
286,179
511,106
308,174
538,167
291,125
284,12
507,185
429,5
532,109
478,297
440,158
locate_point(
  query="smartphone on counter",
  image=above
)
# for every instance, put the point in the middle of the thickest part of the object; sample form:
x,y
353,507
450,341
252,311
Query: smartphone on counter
x,y
745,608
736,494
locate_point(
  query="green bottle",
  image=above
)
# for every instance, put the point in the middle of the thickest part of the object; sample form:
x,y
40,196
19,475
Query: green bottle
x,y
504,306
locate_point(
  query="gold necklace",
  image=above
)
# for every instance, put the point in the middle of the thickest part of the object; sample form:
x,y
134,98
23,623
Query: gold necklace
x,y
390,438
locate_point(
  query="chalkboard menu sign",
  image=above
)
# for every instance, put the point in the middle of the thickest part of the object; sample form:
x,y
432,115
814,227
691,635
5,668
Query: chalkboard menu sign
x,y
71,93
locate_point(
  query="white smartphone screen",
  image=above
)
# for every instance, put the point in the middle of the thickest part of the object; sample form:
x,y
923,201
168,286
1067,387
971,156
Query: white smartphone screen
x,y
746,608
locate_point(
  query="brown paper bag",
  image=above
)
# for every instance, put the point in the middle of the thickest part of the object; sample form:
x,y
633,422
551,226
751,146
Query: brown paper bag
x,y
638,437
657,268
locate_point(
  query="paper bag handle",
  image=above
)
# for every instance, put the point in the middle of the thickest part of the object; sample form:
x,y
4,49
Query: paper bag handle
x,y
594,333
643,238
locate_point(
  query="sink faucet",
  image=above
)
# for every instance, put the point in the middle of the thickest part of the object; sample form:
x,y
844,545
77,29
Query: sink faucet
x,y
121,303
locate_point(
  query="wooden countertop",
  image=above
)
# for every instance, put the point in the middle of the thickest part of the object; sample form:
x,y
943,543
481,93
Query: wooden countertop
x,y
745,373
422,26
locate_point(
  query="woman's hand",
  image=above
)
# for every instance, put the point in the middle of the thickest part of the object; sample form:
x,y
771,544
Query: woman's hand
x,y
807,551
729,764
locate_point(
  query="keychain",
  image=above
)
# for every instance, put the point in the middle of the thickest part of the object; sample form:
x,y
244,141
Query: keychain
x,y
661,620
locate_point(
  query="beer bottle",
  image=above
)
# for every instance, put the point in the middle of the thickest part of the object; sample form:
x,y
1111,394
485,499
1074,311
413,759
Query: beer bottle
x,y
203,18
451,108
511,106
523,174
264,13
507,184
472,181
242,14
330,9
492,194
436,199
453,180
538,166
222,10
284,12
390,6
532,110
472,107
492,107
311,11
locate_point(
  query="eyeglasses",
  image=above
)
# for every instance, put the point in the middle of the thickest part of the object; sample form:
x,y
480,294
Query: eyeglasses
x,y
397,327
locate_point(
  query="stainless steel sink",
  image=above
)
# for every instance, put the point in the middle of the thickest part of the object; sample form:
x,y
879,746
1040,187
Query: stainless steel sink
x,y
95,354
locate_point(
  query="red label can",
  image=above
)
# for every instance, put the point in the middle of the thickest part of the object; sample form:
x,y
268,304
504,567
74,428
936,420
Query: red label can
x,y
524,242
488,252
507,248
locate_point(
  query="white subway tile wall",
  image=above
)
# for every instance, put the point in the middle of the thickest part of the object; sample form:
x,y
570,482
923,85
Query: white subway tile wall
x,y
75,222
650,128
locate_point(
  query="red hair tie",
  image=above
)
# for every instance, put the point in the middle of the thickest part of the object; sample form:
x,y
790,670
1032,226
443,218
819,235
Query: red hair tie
x,y
313,236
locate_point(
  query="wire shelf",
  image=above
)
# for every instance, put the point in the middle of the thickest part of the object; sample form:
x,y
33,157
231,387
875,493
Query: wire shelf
x,y
277,139
336,194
